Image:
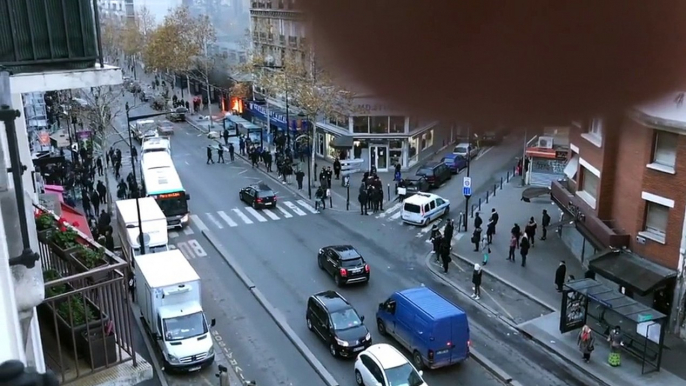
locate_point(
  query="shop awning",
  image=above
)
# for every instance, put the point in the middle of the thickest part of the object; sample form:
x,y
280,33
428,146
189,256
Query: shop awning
x,y
342,141
72,216
631,271
572,167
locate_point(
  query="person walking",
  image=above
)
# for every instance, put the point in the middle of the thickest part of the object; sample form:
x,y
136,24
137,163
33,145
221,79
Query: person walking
x,y
560,275
530,231
586,343
513,247
209,155
485,249
231,152
445,256
476,238
476,280
545,222
362,198
220,153
524,249
494,218
616,343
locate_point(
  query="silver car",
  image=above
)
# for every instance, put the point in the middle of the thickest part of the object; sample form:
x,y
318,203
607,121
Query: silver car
x,y
464,150
165,128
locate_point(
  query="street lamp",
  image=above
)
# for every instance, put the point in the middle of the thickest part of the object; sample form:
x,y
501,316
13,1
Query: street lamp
x,y
130,119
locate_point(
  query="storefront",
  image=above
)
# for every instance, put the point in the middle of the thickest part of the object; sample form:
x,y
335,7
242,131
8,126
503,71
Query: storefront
x,y
277,120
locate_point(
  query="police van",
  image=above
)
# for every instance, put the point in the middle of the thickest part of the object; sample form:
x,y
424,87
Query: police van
x,y
422,208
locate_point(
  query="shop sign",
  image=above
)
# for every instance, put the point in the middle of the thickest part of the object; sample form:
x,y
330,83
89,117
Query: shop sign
x,y
273,115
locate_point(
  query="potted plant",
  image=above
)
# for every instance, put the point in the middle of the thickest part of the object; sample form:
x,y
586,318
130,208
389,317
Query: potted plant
x,y
63,240
50,275
85,259
45,222
99,345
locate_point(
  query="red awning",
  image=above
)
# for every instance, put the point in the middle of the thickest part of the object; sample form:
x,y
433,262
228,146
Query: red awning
x,y
72,216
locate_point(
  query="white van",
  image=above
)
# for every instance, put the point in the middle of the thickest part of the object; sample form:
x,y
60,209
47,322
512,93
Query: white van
x,y
422,208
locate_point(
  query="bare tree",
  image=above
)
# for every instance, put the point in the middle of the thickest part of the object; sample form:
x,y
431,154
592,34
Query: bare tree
x,y
111,41
135,34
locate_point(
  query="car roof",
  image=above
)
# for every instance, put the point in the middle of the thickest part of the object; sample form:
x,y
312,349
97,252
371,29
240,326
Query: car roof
x,y
462,144
421,198
451,156
386,355
345,252
332,300
261,187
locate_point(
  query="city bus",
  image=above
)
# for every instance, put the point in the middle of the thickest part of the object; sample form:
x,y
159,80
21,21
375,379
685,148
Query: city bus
x,y
161,182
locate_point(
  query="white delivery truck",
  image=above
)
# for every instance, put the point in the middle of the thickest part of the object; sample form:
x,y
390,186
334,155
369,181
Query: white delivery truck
x,y
153,222
156,143
168,293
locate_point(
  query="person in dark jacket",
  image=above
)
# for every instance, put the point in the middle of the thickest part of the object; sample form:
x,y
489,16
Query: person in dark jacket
x,y
95,200
476,280
232,151
337,168
102,192
445,257
86,202
476,238
530,231
478,220
560,274
490,231
545,222
299,176
437,241
109,240
220,153
209,155
516,232
362,198
524,249
449,229
494,217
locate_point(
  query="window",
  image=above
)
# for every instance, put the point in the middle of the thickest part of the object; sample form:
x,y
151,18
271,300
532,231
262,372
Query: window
x,y
595,132
665,149
427,139
589,187
656,219
361,125
379,125
397,125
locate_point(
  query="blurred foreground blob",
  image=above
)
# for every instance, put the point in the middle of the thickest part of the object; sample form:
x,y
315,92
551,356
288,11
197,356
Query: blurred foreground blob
x,y
527,62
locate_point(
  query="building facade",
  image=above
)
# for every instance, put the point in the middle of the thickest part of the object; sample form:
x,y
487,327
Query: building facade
x,y
624,192
116,9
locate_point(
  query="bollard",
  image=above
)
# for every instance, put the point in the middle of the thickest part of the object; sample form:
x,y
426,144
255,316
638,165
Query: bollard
x,y
501,182
388,190
223,376
506,177
495,188
479,205
471,211
487,194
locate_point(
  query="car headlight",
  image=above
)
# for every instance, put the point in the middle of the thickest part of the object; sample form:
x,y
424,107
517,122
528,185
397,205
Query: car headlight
x,y
184,218
341,342
368,336
172,359
210,352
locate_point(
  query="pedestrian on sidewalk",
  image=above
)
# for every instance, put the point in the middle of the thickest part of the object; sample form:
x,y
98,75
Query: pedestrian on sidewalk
x,y
98,165
485,249
231,152
109,240
254,158
560,275
299,175
616,343
102,192
530,230
209,155
545,222
476,280
516,232
490,231
586,343
445,256
86,203
436,241
494,218
362,198
524,249
513,247
134,154
337,168
478,221
319,198
449,230
95,200
330,197
268,160
225,134
220,153
476,238
241,146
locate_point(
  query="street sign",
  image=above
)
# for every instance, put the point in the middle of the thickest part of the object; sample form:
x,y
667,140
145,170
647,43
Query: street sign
x,y
467,186
346,181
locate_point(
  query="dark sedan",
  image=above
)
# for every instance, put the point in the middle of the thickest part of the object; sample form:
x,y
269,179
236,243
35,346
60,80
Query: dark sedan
x,y
344,263
258,196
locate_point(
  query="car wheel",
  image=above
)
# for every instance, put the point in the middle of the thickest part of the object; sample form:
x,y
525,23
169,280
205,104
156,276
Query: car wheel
x,y
338,281
358,378
417,359
309,324
381,327
319,262
254,205
332,350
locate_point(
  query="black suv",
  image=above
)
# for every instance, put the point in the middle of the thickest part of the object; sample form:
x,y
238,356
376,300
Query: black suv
x,y
331,317
436,173
344,263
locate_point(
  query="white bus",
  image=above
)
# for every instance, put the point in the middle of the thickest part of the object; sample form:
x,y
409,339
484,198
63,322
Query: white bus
x,y
161,182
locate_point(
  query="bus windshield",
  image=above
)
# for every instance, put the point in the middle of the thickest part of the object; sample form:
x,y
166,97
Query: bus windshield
x,y
175,205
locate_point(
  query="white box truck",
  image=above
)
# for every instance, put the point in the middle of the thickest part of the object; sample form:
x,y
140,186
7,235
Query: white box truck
x,y
168,293
153,222
156,143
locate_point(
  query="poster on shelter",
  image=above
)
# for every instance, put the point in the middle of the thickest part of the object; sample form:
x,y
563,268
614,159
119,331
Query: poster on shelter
x,y
573,315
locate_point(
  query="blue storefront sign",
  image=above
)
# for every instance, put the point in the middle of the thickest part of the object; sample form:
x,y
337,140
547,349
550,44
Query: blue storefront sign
x,y
277,116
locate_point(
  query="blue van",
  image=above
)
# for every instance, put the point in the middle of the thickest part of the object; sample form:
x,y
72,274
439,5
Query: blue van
x,y
455,162
434,330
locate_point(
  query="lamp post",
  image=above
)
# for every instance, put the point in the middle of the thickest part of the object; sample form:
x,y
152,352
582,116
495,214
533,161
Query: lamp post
x,y
469,162
129,119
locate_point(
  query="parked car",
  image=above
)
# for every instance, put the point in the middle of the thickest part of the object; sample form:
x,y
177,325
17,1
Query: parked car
x,y
455,162
466,150
337,323
383,364
178,114
436,173
491,138
344,263
422,208
258,196
433,329
165,128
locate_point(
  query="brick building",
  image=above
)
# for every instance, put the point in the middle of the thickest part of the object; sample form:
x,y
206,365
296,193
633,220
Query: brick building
x,y
624,193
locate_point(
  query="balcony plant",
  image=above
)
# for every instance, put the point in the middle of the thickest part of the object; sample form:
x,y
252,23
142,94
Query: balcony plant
x,y
63,239
50,275
45,222
85,259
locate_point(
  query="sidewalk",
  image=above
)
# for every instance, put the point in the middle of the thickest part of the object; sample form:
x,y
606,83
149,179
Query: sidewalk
x,y
536,282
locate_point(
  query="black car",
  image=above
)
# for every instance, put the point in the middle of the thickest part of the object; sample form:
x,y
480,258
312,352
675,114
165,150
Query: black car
x,y
344,263
436,173
258,196
178,114
331,317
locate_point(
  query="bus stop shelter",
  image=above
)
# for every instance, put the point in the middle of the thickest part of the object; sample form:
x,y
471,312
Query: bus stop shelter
x,y
588,302
237,125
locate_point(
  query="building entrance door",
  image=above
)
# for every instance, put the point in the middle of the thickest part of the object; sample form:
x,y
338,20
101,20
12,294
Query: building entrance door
x,y
379,157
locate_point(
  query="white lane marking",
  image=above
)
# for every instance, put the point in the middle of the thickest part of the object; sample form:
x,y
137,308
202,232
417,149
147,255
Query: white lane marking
x,y
242,172
390,210
198,222
196,248
307,206
242,216
227,219
294,208
395,215
284,213
185,250
214,220
255,214
270,214
173,234
188,230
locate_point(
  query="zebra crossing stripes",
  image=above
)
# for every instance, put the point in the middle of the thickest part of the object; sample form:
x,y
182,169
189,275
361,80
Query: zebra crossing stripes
x,y
227,219
283,212
198,222
271,214
214,220
295,209
394,209
307,206
255,214
243,217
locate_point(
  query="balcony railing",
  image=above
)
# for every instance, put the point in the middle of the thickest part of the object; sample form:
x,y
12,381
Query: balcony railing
x,y
85,319
293,41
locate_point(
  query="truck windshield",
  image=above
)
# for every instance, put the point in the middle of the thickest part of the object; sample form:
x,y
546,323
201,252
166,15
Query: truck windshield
x,y
184,327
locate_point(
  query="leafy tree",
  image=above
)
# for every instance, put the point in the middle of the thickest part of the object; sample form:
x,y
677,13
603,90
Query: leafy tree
x,y
110,32
136,31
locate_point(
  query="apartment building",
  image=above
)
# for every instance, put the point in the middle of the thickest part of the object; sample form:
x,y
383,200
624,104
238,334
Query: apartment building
x,y
115,9
624,192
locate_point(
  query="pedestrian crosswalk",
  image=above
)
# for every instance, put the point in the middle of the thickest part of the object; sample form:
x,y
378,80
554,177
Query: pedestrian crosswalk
x,y
391,213
244,216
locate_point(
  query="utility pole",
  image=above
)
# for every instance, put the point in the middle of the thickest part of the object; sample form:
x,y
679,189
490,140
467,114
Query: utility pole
x,y
207,84
467,192
524,167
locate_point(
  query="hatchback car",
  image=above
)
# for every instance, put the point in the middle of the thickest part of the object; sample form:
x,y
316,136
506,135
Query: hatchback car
x,y
337,323
436,173
258,196
344,263
383,364
466,150
455,162
165,128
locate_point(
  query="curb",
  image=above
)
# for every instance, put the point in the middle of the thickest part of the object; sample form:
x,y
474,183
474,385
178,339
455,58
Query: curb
x,y
509,284
486,363
273,312
153,354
